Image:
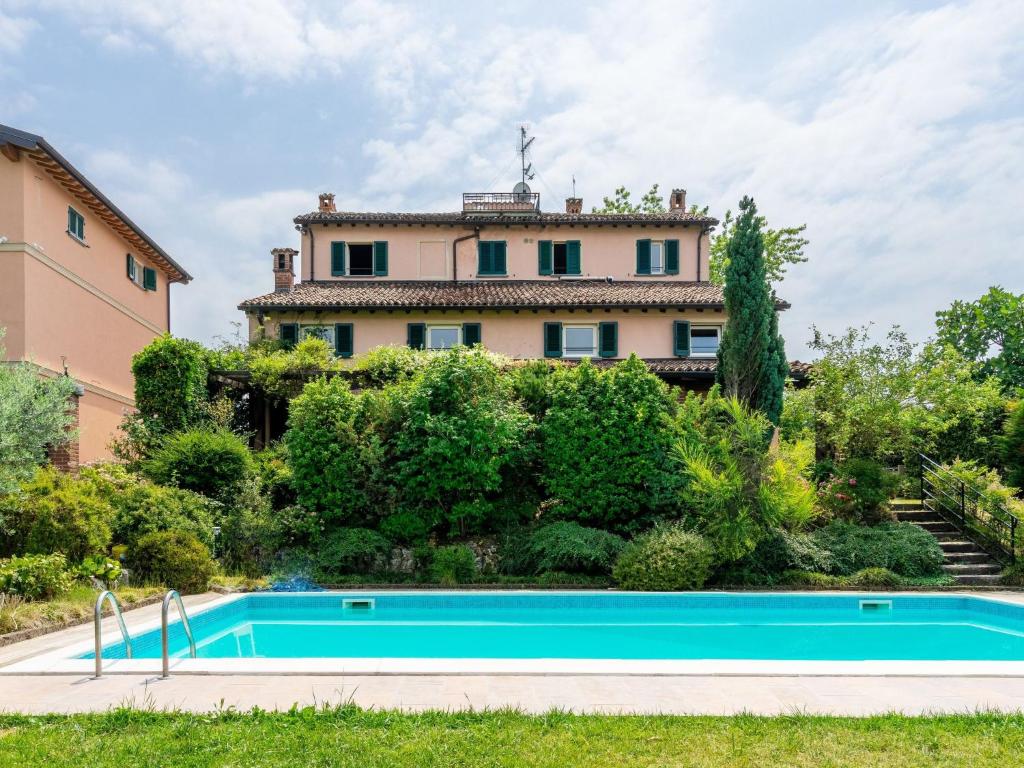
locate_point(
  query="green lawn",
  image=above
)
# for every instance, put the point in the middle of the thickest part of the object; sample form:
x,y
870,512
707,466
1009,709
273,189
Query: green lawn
x,y
351,737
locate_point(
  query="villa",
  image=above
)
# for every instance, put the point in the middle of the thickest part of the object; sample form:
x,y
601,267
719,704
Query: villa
x,y
82,287
502,273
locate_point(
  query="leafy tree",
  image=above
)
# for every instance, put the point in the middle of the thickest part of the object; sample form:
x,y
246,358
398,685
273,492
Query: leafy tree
x,y
1013,447
989,331
782,248
752,362
651,202
33,416
170,383
606,440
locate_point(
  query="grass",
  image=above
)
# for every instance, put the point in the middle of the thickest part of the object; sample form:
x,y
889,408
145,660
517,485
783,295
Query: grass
x,y
348,736
76,606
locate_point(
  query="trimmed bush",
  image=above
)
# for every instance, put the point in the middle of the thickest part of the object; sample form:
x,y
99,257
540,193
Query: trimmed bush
x,y
874,578
36,577
170,383
349,551
667,558
903,548
776,553
810,579
455,564
570,548
211,462
175,559
55,512
404,528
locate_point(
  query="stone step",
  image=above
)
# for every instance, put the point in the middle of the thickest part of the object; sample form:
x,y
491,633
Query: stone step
x,y
980,580
905,504
937,526
917,515
972,569
963,558
944,536
958,545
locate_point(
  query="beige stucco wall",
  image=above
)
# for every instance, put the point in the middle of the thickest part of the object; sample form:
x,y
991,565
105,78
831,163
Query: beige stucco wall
x,y
60,297
648,334
605,250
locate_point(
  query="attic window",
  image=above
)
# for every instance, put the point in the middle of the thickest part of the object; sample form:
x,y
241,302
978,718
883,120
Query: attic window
x,y
360,259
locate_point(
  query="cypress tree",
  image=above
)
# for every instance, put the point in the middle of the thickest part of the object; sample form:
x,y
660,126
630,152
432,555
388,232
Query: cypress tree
x,y
751,358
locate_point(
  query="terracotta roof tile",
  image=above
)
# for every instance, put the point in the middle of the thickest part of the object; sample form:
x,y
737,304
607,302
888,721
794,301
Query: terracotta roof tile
x,y
475,294
456,218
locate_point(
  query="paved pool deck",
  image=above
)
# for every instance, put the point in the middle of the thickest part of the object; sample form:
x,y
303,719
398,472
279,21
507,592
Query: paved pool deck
x,y
666,694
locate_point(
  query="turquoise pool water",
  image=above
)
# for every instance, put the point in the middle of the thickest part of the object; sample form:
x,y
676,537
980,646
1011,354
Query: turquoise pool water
x,y
600,626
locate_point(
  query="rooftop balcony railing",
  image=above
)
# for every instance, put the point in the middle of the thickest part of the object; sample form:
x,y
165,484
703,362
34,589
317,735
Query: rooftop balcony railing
x,y
501,202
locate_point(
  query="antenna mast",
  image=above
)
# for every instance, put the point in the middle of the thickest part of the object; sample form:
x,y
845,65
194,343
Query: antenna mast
x,y
524,146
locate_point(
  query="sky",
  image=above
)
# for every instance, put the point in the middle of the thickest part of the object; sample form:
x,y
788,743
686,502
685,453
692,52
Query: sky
x,y
894,130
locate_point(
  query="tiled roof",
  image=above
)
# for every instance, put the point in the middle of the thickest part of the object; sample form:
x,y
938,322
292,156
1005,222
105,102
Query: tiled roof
x,y
475,294
456,218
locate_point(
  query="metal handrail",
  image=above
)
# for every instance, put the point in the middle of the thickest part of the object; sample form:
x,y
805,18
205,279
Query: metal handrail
x,y
967,508
107,595
164,610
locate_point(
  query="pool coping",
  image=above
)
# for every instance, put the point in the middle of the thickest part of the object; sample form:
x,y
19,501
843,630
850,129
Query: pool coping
x,y
57,662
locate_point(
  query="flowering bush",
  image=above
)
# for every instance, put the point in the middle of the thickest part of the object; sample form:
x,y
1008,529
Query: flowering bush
x,y
858,492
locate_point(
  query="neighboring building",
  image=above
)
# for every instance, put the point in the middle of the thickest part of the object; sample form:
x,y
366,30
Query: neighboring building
x,y
82,287
523,283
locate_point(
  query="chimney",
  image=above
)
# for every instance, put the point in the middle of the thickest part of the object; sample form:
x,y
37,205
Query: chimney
x,y
574,205
327,202
677,200
284,270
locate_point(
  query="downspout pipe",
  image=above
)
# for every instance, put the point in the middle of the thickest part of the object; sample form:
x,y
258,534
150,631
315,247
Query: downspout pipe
x,y
455,251
307,230
700,236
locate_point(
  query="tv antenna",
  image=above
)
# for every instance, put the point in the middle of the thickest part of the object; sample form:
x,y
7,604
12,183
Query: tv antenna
x,y
524,147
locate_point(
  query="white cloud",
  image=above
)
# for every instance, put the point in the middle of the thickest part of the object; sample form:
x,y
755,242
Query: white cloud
x,y
14,32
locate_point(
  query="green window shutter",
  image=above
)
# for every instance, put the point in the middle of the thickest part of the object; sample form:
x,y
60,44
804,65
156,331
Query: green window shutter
x,y
572,257
130,266
608,339
643,257
491,257
544,257
681,338
483,257
471,334
289,334
499,258
552,339
343,338
416,334
671,257
380,258
337,258
149,278
71,220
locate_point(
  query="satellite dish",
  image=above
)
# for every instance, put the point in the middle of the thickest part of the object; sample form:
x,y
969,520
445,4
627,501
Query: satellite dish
x,y
521,188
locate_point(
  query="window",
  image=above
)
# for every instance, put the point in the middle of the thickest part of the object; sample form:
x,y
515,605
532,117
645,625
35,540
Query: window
x,y
132,269
579,341
491,257
76,224
560,264
558,258
704,340
360,259
443,336
657,257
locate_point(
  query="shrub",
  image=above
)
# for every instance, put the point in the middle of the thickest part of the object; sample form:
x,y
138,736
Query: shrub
x,y
385,365
987,483
462,433
349,550
55,512
250,532
1013,446
35,577
211,462
531,385
104,569
455,564
275,474
175,559
874,578
571,548
141,507
324,452
902,548
404,528
859,492
605,445
666,558
1013,576
810,579
271,367
170,383
776,553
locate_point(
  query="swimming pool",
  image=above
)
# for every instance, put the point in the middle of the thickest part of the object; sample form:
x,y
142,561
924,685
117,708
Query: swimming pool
x,y
597,626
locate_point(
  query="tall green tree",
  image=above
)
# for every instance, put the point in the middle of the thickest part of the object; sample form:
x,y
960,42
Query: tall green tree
x,y
752,363
989,331
33,416
782,248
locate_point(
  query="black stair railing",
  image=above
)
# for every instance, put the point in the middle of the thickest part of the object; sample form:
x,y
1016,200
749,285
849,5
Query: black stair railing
x,y
987,522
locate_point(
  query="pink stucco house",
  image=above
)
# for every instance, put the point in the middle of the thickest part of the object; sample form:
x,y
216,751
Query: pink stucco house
x,y
525,283
82,287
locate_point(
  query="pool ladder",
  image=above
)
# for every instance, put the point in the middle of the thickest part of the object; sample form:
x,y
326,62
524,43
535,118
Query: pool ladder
x,y
108,596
